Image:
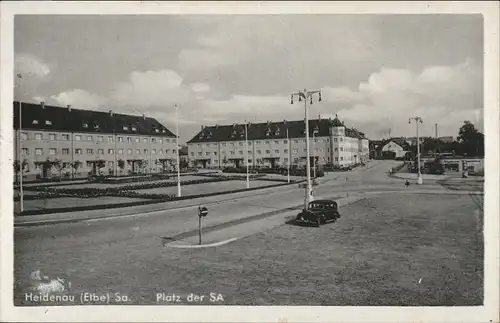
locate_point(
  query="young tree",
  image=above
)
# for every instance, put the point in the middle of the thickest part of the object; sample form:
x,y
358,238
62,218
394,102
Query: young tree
x,y
75,165
121,164
58,164
225,161
101,163
18,168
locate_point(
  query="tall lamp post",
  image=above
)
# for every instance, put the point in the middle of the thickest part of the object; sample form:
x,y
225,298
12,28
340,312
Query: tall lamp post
x,y
315,132
417,121
246,152
289,156
177,151
20,150
305,95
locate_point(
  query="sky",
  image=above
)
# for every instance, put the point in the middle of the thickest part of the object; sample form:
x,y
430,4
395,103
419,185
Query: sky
x,y
374,71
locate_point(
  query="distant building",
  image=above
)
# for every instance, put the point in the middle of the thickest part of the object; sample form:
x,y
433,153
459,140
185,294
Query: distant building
x,y
225,145
398,146
376,149
446,139
99,142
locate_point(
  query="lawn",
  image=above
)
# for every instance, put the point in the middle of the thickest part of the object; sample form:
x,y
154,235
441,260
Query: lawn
x,y
208,187
73,202
416,250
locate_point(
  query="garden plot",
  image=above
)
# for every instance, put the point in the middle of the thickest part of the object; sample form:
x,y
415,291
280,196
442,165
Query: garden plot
x,y
206,188
64,202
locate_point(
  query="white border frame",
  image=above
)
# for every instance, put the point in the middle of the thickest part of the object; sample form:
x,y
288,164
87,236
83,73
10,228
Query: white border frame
x,y
487,313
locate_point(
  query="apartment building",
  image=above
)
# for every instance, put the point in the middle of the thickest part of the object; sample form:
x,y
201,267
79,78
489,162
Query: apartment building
x,y
278,143
56,141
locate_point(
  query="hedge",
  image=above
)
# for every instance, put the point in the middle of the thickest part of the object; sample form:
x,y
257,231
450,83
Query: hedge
x,y
138,203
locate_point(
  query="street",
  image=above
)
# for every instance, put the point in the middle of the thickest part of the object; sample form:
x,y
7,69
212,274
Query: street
x,y
90,253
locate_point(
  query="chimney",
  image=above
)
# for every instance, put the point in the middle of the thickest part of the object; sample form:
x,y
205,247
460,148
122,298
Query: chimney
x,y
42,104
69,107
144,116
111,112
319,117
202,127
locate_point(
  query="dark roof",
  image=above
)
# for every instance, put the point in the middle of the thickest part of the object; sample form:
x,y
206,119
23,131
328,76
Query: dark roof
x,y
269,130
64,119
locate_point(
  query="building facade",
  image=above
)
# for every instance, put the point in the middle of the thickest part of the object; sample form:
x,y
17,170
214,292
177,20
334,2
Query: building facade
x,y
61,141
277,143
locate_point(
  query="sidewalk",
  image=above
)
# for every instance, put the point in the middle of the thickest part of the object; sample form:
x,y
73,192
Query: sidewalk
x,y
69,217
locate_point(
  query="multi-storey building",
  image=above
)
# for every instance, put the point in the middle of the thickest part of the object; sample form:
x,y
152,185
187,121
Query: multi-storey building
x,y
331,142
65,141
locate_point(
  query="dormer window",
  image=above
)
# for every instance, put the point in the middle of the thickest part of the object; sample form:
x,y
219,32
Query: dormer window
x,y
268,132
201,135
48,122
233,134
209,135
85,124
134,128
96,126
125,128
163,131
35,122
157,130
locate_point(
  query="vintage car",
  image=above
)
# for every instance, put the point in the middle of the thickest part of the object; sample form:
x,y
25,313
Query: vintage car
x,y
319,212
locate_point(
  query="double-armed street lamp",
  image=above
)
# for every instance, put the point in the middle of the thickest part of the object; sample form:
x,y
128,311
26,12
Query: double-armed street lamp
x,y
305,95
289,157
417,121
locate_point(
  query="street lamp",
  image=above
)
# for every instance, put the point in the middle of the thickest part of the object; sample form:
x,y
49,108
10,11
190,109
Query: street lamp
x,y
417,121
304,95
246,153
21,166
315,132
177,150
289,156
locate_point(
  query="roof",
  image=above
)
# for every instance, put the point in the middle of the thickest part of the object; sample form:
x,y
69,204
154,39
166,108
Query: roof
x,y
73,120
270,130
400,141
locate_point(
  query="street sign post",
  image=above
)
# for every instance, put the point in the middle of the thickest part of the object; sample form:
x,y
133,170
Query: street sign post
x,y
202,212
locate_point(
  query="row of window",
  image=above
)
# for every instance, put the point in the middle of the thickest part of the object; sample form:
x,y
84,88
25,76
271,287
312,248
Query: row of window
x,y
86,125
286,160
90,151
277,151
277,142
64,137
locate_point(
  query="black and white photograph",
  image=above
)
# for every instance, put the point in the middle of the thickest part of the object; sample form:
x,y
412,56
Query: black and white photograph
x,y
287,158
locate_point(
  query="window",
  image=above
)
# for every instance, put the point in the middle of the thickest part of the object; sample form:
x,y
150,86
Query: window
x,y
285,142
341,158
110,164
295,150
296,141
110,138
336,149
249,143
134,128
232,152
137,151
215,153
249,161
240,143
316,149
125,128
192,154
207,153
328,149
335,139
90,151
249,152
78,151
25,151
268,151
100,151
173,151
341,139
167,141
305,150
336,159
89,164
258,141
137,140
214,145
166,151
276,151
285,151
111,151
241,152
341,148
145,140
120,139
153,151
145,151
129,151
100,138
286,159
38,136
276,142
120,151
224,152
259,152
160,151
316,140
267,142
24,136
52,136
96,126
198,145
129,140
65,151
89,138
153,140
35,122
65,137
199,153
38,151
232,144
173,141
207,145
160,141
48,122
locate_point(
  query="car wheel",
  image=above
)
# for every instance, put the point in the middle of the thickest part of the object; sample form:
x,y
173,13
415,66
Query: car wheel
x,y
318,222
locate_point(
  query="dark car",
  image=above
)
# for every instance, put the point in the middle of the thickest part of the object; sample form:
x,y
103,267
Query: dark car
x,y
319,212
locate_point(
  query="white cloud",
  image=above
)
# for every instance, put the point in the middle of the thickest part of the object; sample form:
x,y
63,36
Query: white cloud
x,y
200,87
30,66
79,99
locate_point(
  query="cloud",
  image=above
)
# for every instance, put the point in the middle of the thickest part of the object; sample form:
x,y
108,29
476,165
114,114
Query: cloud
x,y
30,66
79,99
200,87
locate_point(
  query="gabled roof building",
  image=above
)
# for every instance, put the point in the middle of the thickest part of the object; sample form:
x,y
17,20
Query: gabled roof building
x,y
271,143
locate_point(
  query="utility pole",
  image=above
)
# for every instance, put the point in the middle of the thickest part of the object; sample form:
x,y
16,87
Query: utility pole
x,y
20,151
305,95
417,121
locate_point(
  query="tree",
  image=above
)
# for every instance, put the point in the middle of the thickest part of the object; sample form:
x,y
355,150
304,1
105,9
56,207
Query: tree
x,y
121,164
471,139
75,165
100,164
225,161
17,167
58,164
183,164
